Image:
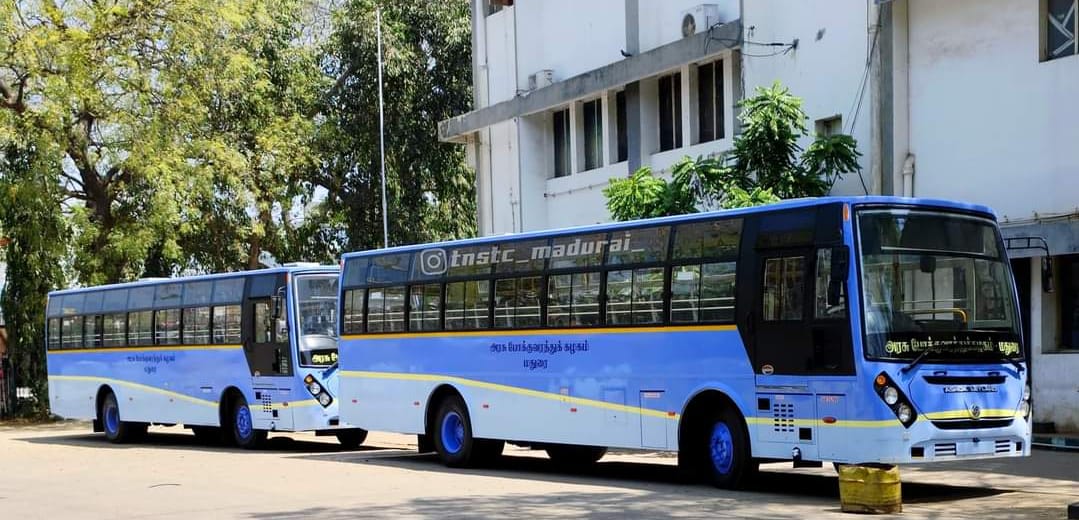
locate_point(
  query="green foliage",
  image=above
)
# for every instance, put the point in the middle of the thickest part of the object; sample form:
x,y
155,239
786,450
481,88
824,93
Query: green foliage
x,y
427,78
763,166
29,195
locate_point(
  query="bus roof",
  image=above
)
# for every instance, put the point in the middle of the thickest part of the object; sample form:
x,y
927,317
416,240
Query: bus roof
x,y
782,205
298,269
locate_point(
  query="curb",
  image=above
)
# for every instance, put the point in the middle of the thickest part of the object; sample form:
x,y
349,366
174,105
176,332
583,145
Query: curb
x,y
1055,443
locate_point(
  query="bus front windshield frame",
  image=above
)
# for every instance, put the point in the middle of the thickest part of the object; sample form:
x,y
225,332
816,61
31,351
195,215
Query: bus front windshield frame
x,y
316,313
935,285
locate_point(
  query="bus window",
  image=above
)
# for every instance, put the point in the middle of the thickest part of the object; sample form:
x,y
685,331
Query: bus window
x,y
783,288
467,305
167,331
585,310
226,324
426,302
139,329
353,311
635,296
578,250
54,333
71,332
197,325
638,246
114,330
717,291
263,324
93,331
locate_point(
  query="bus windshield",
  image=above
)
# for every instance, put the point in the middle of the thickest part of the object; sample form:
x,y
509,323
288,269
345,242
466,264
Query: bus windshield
x,y
936,285
316,300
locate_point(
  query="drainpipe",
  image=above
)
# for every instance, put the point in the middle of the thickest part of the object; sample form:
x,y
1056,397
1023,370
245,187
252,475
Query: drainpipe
x,y
908,176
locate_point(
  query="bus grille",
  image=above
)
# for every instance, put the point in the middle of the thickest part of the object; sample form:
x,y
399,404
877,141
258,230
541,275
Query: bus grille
x,y
267,402
1003,446
973,425
783,417
946,449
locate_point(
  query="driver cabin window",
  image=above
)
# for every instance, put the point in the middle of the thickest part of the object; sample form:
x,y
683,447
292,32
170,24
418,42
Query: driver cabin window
x,y
783,288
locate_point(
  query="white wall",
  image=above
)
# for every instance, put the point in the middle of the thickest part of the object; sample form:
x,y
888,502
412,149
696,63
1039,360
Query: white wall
x,y
825,73
661,20
570,37
990,123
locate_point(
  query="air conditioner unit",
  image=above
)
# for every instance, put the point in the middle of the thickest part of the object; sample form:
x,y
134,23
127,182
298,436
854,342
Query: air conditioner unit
x,y
699,18
540,79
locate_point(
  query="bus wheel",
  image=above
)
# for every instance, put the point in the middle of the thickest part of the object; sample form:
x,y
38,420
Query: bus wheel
x,y
453,433
117,431
567,455
729,463
351,439
243,427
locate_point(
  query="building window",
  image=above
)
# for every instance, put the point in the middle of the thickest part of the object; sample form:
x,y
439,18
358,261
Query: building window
x,y
1060,26
710,101
829,126
561,143
494,6
1069,302
593,134
670,112
620,122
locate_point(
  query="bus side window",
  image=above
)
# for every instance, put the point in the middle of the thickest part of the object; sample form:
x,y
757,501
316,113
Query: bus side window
x,y
93,331
784,281
54,333
353,311
226,324
827,282
263,323
114,330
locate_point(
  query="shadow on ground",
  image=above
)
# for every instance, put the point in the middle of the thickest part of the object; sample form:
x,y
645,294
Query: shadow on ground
x,y
187,441
648,476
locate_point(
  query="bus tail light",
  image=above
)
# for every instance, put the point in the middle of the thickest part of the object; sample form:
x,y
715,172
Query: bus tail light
x,y
892,396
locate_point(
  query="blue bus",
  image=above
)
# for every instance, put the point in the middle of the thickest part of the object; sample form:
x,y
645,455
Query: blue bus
x,y
231,356
850,330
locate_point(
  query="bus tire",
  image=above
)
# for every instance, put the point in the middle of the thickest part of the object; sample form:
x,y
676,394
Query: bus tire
x,y
243,427
452,431
117,431
352,438
728,464
569,455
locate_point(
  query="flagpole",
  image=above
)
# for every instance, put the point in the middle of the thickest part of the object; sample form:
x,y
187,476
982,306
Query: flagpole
x,y
381,130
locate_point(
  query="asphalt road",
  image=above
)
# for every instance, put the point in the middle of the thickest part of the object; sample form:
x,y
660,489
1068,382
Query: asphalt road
x,y
62,471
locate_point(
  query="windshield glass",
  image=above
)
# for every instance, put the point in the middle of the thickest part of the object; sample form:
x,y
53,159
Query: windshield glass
x,y
935,282
316,300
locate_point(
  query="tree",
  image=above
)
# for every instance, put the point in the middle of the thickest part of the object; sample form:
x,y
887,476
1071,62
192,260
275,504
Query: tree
x,y
29,194
119,88
762,167
427,78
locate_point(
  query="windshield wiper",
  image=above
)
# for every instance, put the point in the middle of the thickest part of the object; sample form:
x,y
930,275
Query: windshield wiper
x,y
1018,366
915,362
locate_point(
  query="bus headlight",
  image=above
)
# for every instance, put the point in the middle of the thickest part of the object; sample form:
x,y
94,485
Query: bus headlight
x,y
1024,407
904,413
1026,393
314,388
324,399
891,396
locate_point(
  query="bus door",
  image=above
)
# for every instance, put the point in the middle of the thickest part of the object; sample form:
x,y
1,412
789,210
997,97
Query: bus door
x,y
797,328
266,346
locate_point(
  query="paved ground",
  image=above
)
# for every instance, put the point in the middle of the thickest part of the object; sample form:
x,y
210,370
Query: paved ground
x,y
61,471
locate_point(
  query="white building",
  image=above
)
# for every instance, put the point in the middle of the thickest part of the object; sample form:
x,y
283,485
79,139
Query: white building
x,y
966,99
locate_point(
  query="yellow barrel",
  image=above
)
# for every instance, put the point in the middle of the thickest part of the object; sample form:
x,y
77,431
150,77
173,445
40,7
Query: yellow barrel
x,y
870,489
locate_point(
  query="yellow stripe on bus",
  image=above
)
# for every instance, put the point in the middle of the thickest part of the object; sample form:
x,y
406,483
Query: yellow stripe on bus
x,y
537,332
400,376
254,406
158,348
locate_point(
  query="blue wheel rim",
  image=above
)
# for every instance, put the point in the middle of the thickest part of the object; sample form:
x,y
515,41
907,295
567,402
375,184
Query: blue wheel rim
x,y
243,422
722,448
112,417
453,432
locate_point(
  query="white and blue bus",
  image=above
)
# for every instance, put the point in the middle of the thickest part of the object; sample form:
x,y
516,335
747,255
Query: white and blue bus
x,y
231,356
851,330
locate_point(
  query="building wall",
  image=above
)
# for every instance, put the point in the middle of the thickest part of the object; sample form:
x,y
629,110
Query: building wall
x,y
825,70
986,112
991,123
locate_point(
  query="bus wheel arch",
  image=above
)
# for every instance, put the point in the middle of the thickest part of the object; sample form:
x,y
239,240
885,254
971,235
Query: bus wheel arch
x,y
446,411
714,441
109,419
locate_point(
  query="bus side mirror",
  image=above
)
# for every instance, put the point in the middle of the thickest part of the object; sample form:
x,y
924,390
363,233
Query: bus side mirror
x,y
838,275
